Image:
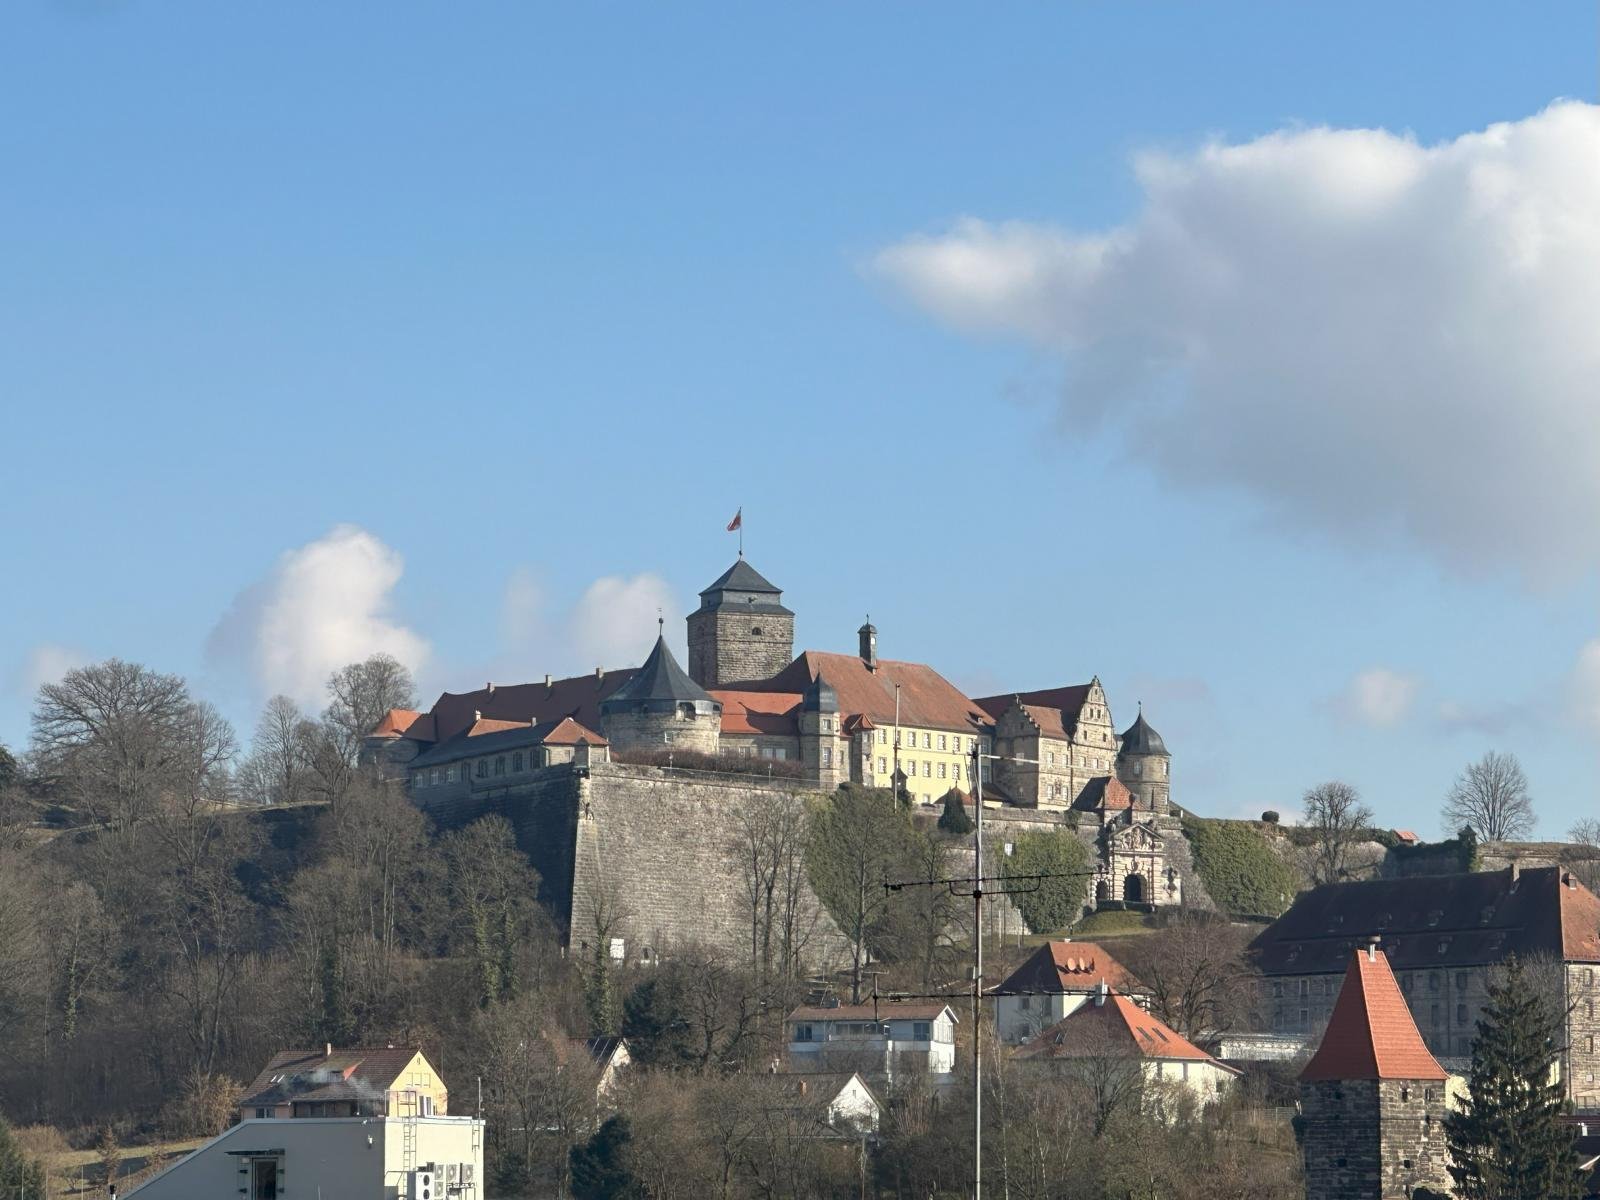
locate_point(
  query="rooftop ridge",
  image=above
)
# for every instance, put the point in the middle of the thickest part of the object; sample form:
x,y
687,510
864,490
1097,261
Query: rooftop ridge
x,y
1371,1034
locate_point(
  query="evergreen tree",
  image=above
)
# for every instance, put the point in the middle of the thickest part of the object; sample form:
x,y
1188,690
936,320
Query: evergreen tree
x,y
1509,1142
599,1169
954,820
20,1176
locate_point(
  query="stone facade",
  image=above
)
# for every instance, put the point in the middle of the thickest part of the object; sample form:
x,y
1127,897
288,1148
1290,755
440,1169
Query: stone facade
x,y
1582,1059
741,631
1372,1139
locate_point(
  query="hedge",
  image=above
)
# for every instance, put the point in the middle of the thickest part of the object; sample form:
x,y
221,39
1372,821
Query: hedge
x,y
1244,875
1057,902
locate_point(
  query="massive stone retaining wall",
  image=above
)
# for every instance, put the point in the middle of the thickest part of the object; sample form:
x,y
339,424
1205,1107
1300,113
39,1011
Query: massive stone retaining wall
x,y
647,855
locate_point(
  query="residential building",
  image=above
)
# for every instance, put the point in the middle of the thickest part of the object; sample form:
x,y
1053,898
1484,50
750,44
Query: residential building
x,y
829,1102
1111,1029
352,1158
1372,1098
874,1039
383,1081
1052,983
1443,935
611,1060
359,1124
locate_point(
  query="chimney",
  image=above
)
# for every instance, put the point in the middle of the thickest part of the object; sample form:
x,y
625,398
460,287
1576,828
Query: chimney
x,y
327,1049
599,674
1102,993
489,687
549,683
1516,874
477,714
1372,949
869,644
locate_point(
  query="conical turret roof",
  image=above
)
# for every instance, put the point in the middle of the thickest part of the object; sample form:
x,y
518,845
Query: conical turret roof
x,y
1371,1034
661,678
1140,738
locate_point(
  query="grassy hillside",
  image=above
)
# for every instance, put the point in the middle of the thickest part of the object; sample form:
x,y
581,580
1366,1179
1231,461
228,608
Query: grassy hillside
x,y
1244,874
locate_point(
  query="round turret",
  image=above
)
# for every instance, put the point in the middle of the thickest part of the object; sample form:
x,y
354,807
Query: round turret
x,y
661,708
1144,765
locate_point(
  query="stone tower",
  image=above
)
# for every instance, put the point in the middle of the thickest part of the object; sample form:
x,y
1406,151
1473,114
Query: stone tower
x,y
1372,1099
741,631
824,753
661,708
1144,767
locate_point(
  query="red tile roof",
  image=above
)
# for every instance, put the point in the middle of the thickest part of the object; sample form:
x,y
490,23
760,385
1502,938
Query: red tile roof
x,y
568,732
578,697
1095,1030
1054,710
1371,1034
759,712
485,725
405,722
888,1011
1063,966
1103,791
927,699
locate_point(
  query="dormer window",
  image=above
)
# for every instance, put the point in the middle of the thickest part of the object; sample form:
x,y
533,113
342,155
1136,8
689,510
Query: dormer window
x,y
755,631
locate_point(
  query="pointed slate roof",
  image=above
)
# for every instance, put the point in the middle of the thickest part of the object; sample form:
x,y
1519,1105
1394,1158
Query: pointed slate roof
x,y
661,678
1371,1034
742,577
1140,738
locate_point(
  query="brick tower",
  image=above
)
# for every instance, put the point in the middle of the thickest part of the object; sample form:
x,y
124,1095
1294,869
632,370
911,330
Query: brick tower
x,y
741,631
1372,1098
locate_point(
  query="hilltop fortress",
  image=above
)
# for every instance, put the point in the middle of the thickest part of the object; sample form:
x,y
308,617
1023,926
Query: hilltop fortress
x,y
605,776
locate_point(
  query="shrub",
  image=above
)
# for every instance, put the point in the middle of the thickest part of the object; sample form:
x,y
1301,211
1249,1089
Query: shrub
x,y
1271,816
1240,870
1056,902
954,820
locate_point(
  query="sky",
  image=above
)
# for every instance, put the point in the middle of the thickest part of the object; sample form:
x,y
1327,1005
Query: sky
x,y
1241,355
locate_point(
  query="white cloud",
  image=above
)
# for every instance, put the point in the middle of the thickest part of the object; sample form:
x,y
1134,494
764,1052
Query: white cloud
x,y
323,605
1378,697
522,622
1584,686
47,663
1374,338
614,623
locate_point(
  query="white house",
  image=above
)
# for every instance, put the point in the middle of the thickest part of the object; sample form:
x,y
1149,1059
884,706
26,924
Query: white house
x,y
352,1158
1111,1027
873,1038
1052,982
839,1101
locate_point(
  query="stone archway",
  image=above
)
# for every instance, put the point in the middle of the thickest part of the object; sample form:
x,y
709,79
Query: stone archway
x,y
1133,889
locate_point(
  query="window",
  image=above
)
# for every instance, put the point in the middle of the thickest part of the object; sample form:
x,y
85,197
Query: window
x,y
500,764
669,736
883,766
941,770
483,768
883,737
958,771
516,761
911,767
1138,766
1433,981
1461,981
941,741
927,741
1050,759
1027,1002
1305,1019
263,1113
827,756
420,779
927,769
755,631
802,1033
619,949
921,1031
1277,990
1433,1014
1461,1014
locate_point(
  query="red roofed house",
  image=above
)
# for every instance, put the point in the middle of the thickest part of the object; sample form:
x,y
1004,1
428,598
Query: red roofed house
x,y
1111,1027
1052,983
1372,1097
375,1082
873,1038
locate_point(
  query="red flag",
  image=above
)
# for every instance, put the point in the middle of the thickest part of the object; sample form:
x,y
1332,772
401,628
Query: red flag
x,y
738,520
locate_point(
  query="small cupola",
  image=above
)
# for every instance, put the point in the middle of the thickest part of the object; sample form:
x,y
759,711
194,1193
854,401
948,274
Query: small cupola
x,y
820,697
869,644
1140,738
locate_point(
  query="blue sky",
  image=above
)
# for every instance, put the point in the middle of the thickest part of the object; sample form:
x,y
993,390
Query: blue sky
x,y
464,331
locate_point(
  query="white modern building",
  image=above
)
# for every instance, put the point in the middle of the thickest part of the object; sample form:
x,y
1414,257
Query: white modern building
x,y
336,1158
873,1038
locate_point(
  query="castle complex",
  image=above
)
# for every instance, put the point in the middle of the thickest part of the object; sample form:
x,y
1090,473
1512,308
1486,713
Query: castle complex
x,y
1051,758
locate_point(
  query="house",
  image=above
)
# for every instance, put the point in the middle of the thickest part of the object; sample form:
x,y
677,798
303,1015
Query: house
x,y
873,1038
1111,1027
611,1059
1052,983
356,1124
1443,936
1372,1098
1406,837
383,1081
835,1101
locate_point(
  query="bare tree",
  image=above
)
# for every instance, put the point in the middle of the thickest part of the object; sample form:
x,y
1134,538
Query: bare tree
x,y
119,739
1335,815
1586,833
282,755
769,838
1491,796
1196,972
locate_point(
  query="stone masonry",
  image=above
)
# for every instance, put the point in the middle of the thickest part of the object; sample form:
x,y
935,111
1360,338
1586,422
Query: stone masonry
x,y
1372,1138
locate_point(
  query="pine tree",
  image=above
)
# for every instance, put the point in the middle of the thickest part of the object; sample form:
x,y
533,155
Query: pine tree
x,y
599,1167
1508,1142
20,1176
954,820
